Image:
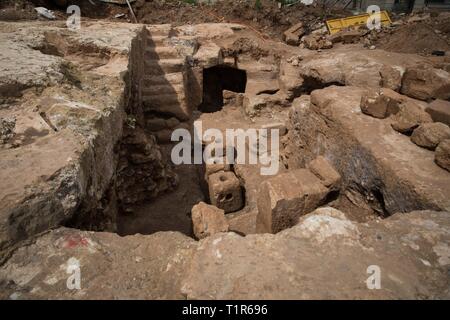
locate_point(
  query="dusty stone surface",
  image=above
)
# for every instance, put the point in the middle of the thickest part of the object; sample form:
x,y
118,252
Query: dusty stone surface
x,y
439,111
411,250
429,135
372,69
111,267
409,117
295,263
442,155
208,220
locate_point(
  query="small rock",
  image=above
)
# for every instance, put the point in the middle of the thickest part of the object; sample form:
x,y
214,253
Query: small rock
x,y
381,103
323,170
293,34
429,135
442,155
439,110
409,118
208,220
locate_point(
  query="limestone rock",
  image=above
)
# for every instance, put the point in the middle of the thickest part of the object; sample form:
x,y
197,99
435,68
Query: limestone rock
x,y
380,104
409,118
425,82
442,154
346,36
391,77
285,197
429,135
316,42
439,111
290,80
208,220
225,191
293,34
111,267
322,169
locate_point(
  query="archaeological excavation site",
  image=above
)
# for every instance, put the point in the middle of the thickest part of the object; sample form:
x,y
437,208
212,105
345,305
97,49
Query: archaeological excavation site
x,y
109,108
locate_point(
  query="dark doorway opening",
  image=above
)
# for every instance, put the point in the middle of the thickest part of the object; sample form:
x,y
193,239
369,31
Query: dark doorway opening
x,y
215,80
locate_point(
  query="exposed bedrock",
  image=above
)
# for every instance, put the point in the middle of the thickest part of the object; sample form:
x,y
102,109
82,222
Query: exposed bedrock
x,y
390,171
325,256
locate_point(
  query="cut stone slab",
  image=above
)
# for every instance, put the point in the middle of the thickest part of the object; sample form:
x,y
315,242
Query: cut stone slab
x,y
425,82
439,111
225,191
367,153
429,135
322,169
409,118
208,220
285,197
442,155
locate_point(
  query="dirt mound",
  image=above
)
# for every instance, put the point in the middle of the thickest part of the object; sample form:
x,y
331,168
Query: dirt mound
x,y
415,38
16,10
264,15
420,33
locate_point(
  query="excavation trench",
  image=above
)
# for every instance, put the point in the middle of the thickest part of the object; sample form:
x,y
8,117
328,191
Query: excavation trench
x,y
148,193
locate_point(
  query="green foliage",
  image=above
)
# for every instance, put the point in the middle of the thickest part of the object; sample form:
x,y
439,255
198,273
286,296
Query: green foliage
x,y
258,5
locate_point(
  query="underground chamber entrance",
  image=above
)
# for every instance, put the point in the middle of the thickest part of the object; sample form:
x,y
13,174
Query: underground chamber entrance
x,y
217,79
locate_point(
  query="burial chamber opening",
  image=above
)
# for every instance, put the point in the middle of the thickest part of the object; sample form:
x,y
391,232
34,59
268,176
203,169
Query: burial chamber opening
x,y
216,79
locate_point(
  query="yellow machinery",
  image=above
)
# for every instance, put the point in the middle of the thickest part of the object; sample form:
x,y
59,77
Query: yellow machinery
x,y
336,25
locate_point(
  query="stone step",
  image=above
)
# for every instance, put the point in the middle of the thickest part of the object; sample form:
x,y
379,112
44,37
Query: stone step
x,y
159,67
163,89
155,41
159,30
170,104
164,98
159,53
172,78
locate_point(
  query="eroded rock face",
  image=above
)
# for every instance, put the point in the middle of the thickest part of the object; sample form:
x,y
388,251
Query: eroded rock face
x,y
429,135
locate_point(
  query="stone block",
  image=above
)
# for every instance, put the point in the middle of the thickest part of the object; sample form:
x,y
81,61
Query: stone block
x,y
225,191
285,197
208,220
